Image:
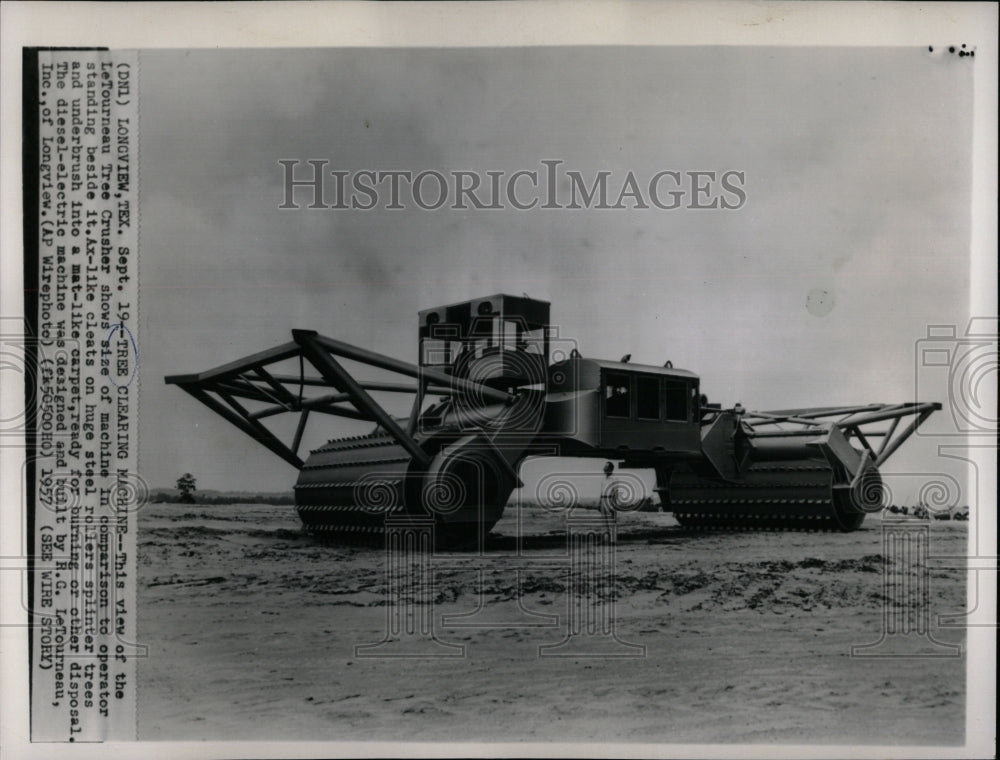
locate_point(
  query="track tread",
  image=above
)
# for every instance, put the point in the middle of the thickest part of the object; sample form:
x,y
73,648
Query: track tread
x,y
799,500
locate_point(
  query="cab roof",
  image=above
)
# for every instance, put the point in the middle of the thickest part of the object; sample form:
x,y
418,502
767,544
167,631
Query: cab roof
x,y
629,367
534,313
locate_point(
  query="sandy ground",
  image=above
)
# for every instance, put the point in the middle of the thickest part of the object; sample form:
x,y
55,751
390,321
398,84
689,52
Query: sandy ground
x,y
252,627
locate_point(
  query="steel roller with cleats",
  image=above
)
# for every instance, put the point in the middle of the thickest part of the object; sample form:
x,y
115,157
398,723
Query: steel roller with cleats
x,y
486,395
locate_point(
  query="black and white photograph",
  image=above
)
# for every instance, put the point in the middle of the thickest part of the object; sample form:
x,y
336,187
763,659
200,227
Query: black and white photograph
x,y
435,380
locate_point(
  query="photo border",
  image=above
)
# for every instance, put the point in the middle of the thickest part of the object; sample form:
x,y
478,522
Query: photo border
x,y
501,24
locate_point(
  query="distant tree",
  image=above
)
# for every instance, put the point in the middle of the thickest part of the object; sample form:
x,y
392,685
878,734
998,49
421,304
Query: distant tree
x,y
186,485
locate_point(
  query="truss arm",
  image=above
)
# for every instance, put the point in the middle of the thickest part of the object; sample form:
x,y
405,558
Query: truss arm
x,y
853,421
226,389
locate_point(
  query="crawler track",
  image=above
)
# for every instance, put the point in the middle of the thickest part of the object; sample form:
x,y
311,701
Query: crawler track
x,y
789,496
348,486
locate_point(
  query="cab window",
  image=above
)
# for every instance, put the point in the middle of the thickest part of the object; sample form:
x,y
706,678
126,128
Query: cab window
x,y
647,398
676,396
617,395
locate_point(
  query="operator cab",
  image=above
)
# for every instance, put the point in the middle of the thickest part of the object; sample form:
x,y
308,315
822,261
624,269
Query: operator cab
x,y
617,407
500,340
645,407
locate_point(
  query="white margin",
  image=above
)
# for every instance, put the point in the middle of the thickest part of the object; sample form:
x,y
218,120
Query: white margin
x,y
460,24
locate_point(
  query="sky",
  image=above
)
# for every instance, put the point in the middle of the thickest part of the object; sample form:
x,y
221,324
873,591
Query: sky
x,y
857,174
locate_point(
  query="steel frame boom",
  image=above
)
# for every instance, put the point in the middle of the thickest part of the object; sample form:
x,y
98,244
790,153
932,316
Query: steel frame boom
x,y
224,388
851,420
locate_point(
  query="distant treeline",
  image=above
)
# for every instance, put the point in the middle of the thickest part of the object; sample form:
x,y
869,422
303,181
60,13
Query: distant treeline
x,y
173,496
924,513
